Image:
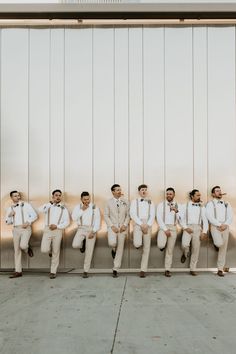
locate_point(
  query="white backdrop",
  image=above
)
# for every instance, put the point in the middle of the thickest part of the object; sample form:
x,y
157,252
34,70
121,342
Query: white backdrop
x,y
84,108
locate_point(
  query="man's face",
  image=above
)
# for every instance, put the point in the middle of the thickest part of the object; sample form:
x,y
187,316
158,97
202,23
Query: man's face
x,y
85,200
197,197
217,193
117,192
56,198
16,197
143,192
170,196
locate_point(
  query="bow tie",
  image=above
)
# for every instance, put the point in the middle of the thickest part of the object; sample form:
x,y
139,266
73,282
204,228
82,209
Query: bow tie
x,y
14,206
196,204
142,200
170,204
220,202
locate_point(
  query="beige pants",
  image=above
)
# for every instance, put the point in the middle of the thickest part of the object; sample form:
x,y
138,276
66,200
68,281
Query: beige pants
x,y
117,241
80,235
52,241
220,240
141,239
21,243
195,241
168,242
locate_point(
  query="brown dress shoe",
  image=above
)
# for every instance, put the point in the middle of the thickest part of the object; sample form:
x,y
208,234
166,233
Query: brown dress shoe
x,y
30,252
114,274
226,269
16,275
50,254
85,275
220,273
167,273
142,274
52,276
193,273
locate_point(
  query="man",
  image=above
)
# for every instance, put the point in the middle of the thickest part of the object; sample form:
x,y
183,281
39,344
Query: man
x,y
116,215
21,215
195,225
142,212
220,216
167,218
56,220
88,218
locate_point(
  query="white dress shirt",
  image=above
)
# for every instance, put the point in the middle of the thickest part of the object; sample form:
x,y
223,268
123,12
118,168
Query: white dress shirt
x,y
29,214
58,215
193,214
170,216
143,208
223,211
87,216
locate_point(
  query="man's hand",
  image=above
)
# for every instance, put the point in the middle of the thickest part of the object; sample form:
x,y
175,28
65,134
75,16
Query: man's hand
x,y
173,208
188,230
203,236
222,227
52,227
115,229
91,235
123,228
25,225
168,233
144,228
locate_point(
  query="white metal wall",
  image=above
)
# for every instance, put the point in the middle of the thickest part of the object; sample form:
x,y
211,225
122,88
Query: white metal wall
x,y
84,108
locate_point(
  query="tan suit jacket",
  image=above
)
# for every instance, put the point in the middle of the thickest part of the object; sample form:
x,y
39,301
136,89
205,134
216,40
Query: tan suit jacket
x,y
116,216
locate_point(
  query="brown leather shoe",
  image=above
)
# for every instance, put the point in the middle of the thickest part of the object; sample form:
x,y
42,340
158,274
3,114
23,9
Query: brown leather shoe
x,y
16,275
52,275
167,273
30,252
226,269
114,274
85,275
142,274
220,273
50,254
183,258
193,273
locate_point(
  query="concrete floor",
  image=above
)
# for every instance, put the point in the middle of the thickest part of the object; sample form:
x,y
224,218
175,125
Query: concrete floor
x,y
128,315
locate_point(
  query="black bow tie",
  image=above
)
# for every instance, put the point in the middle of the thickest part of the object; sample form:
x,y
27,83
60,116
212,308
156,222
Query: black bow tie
x,y
220,201
141,200
14,206
196,204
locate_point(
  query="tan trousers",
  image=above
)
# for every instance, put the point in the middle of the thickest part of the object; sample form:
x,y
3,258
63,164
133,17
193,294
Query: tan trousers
x,y
195,241
80,235
21,243
140,239
117,241
52,241
220,240
168,242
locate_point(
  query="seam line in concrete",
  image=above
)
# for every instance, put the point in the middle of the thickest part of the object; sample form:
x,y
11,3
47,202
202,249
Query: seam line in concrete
x,y
118,318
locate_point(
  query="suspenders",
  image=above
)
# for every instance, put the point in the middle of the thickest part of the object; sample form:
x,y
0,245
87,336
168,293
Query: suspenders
x,y
164,213
149,208
214,206
60,216
92,218
200,215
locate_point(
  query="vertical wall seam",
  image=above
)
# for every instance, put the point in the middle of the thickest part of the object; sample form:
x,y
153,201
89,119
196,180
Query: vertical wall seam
x,y
164,90
114,101
143,125
28,124
1,147
207,83
49,108
128,83
193,106
92,98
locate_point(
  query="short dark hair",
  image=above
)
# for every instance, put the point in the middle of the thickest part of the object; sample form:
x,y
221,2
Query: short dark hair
x,y
170,189
84,194
56,191
213,189
114,187
142,186
12,192
192,193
